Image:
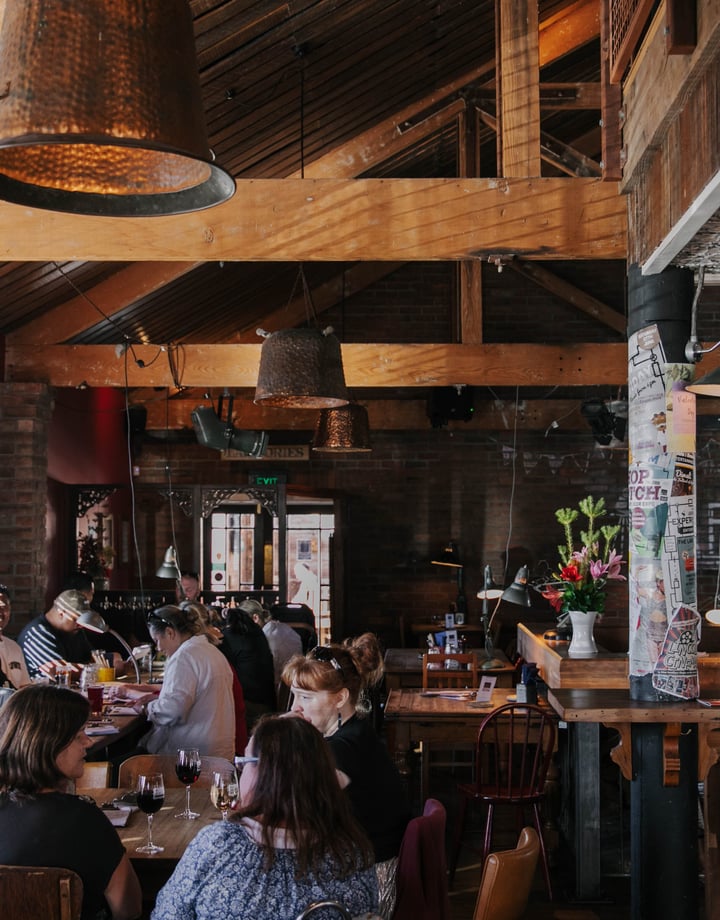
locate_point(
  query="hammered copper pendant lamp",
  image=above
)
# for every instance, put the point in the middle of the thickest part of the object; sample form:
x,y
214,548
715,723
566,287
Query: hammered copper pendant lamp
x,y
100,109
344,430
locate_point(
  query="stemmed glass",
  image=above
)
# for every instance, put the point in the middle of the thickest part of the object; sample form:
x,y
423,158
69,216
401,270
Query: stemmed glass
x,y
150,797
187,768
224,791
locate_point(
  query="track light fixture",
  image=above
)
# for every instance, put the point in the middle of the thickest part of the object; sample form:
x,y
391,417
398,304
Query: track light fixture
x,y
211,431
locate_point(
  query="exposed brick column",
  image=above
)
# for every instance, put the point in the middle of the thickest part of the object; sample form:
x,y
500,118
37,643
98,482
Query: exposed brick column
x,y
25,410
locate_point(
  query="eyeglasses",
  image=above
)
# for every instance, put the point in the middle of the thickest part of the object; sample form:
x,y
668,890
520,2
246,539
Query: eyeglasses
x,y
240,762
323,653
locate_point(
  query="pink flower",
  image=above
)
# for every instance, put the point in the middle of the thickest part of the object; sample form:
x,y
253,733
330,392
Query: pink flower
x,y
613,566
555,596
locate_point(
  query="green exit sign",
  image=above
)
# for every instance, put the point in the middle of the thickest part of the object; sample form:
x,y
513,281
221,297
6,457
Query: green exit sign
x,y
268,480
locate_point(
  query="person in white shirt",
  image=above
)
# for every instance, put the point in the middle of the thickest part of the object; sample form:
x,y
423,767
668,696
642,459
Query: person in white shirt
x,y
284,642
195,707
13,670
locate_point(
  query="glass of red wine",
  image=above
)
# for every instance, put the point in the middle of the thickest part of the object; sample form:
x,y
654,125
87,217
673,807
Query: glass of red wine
x,y
150,797
187,768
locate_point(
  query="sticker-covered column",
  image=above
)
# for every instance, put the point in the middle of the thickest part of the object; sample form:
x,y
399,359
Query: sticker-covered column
x,y
663,621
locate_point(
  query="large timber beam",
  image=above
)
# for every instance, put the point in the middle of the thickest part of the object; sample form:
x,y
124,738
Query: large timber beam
x,y
378,220
373,365
384,415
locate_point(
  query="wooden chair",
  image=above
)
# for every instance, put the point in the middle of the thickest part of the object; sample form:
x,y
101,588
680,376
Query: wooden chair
x,y
422,887
341,911
131,768
515,745
507,879
96,775
437,674
40,891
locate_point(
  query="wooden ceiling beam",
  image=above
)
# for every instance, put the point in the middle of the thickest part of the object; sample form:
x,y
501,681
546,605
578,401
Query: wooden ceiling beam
x,y
571,294
518,79
366,365
383,414
106,298
345,220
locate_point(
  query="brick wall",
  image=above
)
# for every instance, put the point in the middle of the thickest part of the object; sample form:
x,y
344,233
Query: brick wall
x,y
25,410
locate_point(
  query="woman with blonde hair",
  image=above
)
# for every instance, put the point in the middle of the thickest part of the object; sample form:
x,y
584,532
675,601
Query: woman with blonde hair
x,y
195,707
327,687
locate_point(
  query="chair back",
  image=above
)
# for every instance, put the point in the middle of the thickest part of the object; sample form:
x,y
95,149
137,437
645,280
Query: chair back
x,y
324,905
96,775
451,669
131,768
40,891
514,748
422,884
507,879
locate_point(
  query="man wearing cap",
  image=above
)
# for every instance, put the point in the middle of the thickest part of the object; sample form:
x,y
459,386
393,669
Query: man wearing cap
x,y
13,670
55,639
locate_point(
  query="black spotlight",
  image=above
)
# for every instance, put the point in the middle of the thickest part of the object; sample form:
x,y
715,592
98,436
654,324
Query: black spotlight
x,y
606,425
212,431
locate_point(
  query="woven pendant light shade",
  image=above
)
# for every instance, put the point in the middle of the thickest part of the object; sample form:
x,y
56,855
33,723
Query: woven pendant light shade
x,y
101,110
301,368
343,430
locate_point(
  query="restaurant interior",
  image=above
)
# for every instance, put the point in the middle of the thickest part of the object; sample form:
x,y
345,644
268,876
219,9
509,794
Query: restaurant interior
x,y
475,205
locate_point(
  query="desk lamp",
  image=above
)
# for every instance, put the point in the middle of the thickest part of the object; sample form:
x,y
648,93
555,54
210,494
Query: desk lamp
x,y
93,622
489,591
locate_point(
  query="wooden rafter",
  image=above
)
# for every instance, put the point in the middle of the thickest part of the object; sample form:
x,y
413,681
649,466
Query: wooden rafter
x,y
366,365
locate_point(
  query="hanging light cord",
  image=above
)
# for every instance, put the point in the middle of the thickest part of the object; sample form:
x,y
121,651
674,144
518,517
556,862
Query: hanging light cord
x,y
512,486
169,478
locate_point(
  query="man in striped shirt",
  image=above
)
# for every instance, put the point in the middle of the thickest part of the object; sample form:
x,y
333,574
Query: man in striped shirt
x,y
55,639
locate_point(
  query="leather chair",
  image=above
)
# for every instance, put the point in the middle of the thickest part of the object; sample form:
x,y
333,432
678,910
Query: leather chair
x,y
40,891
515,745
507,879
131,768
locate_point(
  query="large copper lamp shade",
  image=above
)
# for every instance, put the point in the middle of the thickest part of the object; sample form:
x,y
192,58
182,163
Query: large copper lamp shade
x,y
301,368
345,429
100,109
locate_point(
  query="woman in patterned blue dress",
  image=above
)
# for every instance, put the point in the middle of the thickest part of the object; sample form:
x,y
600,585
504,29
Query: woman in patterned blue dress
x,y
293,840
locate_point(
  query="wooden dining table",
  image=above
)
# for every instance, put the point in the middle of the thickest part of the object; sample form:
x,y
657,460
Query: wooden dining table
x,y
415,716
403,668
171,833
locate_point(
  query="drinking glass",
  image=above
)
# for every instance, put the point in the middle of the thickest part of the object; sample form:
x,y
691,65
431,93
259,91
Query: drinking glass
x,y
187,769
150,797
224,791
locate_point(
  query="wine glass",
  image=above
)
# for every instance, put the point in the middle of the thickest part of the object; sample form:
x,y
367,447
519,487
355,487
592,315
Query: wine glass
x,y
150,797
187,769
224,791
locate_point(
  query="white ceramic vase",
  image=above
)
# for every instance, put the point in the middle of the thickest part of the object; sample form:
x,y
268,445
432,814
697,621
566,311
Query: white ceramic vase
x,y
582,644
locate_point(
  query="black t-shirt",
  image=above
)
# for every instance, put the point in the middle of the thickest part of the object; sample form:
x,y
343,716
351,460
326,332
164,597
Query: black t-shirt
x,y
66,831
376,790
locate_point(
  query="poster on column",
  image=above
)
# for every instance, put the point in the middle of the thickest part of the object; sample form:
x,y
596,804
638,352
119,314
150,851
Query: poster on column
x,y
676,671
646,394
679,543
680,408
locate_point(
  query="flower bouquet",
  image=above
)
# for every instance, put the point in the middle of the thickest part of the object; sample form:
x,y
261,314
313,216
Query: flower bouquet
x,y
579,583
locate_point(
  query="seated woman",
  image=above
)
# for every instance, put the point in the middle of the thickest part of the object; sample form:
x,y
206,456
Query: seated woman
x,y
195,707
326,686
293,840
42,749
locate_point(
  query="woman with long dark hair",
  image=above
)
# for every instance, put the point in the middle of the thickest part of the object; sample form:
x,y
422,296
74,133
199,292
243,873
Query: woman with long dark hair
x,y
293,839
42,754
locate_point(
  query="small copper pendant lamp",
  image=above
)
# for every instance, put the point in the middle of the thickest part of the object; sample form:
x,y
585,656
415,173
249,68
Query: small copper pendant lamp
x,y
100,109
345,429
